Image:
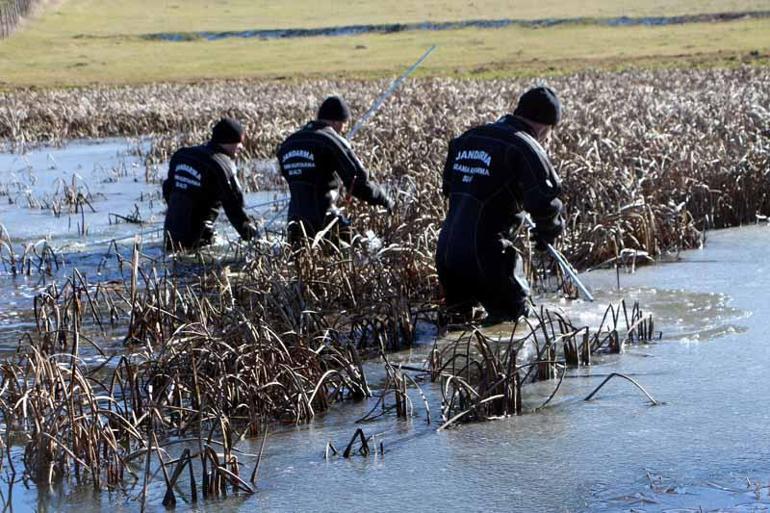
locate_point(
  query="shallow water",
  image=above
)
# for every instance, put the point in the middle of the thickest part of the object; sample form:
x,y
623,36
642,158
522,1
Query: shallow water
x,y
116,181
707,446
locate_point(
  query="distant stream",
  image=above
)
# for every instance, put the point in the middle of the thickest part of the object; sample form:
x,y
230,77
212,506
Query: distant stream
x,y
391,28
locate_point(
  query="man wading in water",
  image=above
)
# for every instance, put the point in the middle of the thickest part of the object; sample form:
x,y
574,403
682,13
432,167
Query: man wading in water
x,y
492,173
312,161
200,180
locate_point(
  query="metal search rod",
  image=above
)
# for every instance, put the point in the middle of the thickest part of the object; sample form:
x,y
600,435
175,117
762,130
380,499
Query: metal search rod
x,y
378,103
565,265
388,92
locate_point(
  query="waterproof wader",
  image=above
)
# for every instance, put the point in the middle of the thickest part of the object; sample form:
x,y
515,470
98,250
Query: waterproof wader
x,y
313,161
493,173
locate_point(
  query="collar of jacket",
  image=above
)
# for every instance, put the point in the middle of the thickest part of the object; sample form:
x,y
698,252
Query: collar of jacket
x,y
316,125
217,148
517,123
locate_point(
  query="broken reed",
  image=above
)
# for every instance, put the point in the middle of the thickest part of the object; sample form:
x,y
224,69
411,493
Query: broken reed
x,y
97,427
39,257
482,378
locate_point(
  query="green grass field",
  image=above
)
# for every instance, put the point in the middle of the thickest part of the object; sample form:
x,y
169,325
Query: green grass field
x,y
87,41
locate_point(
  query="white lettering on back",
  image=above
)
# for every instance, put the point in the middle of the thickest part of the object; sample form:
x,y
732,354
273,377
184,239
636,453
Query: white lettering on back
x,y
298,154
187,169
481,155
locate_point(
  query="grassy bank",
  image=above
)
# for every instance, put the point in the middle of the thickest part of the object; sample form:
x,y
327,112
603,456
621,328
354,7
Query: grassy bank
x,y
84,42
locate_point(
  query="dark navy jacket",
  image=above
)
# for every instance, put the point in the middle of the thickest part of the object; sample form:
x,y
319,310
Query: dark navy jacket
x,y
201,179
492,173
313,160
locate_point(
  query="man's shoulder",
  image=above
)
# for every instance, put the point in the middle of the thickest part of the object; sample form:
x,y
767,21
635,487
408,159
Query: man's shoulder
x,y
205,158
519,133
307,133
223,161
316,134
496,129
324,132
515,138
509,132
201,150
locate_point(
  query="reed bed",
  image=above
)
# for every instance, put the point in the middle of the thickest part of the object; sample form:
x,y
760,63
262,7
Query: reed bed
x,y
482,377
215,353
209,363
649,159
218,350
12,12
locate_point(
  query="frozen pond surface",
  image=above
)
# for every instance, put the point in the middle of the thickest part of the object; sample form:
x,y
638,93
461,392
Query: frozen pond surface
x,y
707,447
35,210
109,173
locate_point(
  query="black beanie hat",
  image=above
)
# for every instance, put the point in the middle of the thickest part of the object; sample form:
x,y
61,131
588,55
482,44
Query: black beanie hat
x,y
541,105
334,108
227,131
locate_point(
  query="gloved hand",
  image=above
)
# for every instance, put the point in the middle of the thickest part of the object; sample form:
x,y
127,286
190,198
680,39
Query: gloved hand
x,y
544,235
207,233
248,231
390,204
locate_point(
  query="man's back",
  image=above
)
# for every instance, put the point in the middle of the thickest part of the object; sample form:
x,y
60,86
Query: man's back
x,y
308,164
313,160
492,172
200,180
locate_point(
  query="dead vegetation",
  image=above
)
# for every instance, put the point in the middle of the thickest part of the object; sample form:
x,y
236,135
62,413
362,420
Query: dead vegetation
x,y
482,377
216,352
12,12
648,159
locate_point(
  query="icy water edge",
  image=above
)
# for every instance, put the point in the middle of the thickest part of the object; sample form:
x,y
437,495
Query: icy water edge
x,y
707,447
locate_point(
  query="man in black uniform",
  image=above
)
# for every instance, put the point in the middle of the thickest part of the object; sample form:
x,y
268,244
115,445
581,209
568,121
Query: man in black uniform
x,y
200,180
492,173
312,161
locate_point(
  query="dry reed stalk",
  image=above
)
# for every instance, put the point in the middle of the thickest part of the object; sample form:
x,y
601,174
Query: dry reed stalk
x,y
220,350
483,378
